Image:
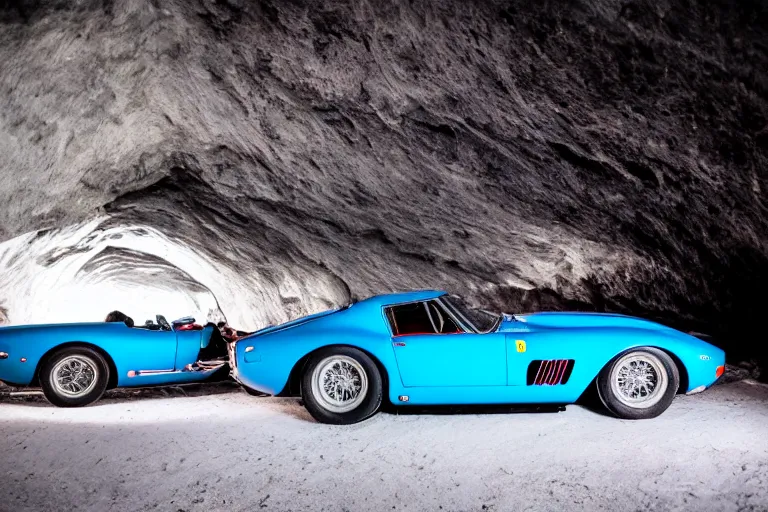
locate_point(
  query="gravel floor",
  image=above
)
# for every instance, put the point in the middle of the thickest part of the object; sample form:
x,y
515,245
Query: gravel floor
x,y
231,451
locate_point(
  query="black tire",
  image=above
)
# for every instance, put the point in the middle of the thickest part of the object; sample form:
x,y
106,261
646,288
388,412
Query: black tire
x,y
82,355
364,405
662,368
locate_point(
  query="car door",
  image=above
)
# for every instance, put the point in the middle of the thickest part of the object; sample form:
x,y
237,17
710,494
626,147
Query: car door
x,y
189,344
442,360
445,359
145,349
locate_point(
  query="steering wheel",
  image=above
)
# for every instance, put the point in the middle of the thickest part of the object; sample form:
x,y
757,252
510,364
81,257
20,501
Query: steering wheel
x,y
163,323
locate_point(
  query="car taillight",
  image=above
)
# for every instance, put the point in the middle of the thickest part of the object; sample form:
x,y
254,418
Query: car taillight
x,y
719,371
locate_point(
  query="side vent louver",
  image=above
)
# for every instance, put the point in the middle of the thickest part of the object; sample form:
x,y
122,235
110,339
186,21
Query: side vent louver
x,y
549,372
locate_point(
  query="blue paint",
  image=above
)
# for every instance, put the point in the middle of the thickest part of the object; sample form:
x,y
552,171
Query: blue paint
x,y
189,344
436,360
468,368
130,349
431,369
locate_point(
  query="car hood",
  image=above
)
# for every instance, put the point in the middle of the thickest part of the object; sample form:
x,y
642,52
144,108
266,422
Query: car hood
x,y
571,320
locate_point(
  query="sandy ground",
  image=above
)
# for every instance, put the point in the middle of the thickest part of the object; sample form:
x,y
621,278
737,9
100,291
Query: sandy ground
x,y
231,451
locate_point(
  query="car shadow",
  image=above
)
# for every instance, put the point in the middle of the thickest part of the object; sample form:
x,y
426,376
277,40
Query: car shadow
x,y
33,397
471,409
590,400
294,406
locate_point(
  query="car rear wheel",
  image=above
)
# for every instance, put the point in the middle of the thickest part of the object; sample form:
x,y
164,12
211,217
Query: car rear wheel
x,y
341,386
74,377
639,383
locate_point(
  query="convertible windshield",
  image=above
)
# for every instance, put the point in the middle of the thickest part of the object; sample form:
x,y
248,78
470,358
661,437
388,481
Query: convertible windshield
x,y
480,320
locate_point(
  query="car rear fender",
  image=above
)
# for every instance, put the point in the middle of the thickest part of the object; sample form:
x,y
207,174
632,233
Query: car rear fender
x,y
269,363
293,386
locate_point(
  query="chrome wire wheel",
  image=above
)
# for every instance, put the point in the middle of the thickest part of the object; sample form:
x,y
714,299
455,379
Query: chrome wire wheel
x,y
639,380
339,383
74,376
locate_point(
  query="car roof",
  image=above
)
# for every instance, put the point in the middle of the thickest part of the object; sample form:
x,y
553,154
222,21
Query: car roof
x,y
402,297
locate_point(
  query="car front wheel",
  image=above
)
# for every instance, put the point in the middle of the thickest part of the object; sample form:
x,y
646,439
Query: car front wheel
x,y
341,386
639,383
74,377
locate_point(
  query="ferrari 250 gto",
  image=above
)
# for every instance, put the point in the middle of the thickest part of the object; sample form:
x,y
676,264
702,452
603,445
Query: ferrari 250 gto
x,y
430,348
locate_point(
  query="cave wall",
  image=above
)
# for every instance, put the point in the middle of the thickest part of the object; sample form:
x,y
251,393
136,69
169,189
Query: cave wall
x,y
606,155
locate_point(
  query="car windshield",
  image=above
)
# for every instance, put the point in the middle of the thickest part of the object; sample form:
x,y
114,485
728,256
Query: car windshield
x,y
478,319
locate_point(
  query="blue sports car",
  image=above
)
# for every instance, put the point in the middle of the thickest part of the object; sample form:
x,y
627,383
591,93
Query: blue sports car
x,y
430,348
75,363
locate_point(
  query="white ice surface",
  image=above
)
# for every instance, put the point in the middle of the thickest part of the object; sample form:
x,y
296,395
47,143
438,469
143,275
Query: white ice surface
x,y
236,452
60,276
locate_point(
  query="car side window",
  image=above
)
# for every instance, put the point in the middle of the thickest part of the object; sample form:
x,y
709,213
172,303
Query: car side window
x,y
420,318
443,323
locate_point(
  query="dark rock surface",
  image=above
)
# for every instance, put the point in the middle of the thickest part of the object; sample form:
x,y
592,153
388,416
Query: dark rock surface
x,y
600,155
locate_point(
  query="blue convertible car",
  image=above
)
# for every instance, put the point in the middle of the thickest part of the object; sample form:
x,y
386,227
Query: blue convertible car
x,y
429,348
75,363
